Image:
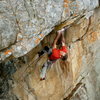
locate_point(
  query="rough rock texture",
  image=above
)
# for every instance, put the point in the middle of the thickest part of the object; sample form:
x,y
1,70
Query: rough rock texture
x,y
78,78
24,23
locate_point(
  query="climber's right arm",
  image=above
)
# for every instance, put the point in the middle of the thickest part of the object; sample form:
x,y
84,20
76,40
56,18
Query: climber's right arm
x,y
56,39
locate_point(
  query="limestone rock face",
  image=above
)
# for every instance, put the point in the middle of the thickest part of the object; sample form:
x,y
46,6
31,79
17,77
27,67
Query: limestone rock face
x,y
7,33
24,23
77,78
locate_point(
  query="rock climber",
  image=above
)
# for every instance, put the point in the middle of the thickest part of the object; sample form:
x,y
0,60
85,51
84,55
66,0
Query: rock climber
x,y
54,53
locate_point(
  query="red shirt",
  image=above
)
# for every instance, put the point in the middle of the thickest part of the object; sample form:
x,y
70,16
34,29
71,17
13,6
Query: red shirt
x,y
56,53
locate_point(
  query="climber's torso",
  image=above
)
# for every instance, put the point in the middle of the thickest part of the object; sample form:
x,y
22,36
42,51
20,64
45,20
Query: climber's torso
x,y
56,53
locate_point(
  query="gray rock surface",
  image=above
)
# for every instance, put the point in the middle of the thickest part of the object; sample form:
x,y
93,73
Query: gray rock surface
x,y
24,23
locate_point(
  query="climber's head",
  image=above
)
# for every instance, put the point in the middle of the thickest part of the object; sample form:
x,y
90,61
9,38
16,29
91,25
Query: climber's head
x,y
63,55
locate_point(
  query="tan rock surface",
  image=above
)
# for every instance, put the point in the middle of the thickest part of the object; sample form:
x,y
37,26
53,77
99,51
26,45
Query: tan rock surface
x,y
76,79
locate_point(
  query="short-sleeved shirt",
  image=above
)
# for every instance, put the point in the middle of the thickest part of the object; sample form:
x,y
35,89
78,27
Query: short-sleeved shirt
x,y
56,53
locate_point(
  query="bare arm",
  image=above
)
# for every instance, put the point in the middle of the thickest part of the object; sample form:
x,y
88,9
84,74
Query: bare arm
x,y
63,39
56,39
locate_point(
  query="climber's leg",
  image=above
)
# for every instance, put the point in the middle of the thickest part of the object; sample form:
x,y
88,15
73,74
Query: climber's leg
x,y
44,50
44,69
49,52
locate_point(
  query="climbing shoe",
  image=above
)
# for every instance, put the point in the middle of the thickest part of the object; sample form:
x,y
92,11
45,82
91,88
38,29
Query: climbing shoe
x,y
46,48
41,79
41,53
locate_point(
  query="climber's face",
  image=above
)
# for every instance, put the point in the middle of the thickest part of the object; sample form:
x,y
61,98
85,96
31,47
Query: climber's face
x,y
62,53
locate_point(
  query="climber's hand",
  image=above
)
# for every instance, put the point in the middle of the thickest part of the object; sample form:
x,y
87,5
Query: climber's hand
x,y
62,30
